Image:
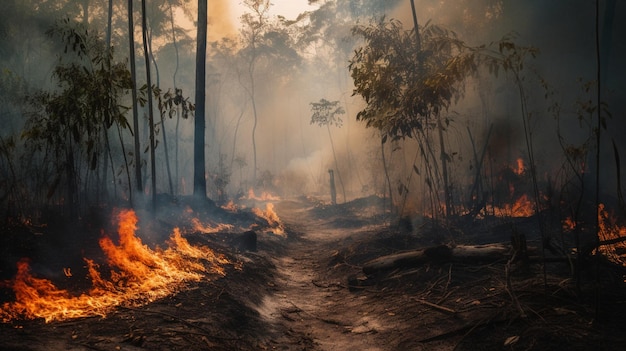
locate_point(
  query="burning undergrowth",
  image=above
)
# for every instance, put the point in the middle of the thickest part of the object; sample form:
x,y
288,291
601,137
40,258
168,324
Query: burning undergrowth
x,y
135,274
135,264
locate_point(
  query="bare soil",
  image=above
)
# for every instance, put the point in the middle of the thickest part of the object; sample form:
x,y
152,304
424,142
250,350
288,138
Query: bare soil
x,y
307,291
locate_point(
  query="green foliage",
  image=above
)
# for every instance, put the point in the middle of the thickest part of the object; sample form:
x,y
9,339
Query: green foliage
x,y
71,120
170,103
404,85
326,113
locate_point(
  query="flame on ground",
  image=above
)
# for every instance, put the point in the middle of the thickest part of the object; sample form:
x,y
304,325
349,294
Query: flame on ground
x,y
276,226
609,230
265,196
522,207
208,228
230,206
138,275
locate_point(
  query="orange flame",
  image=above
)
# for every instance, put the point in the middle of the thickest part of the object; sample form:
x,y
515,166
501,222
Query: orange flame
x,y
138,275
230,206
568,224
519,170
608,229
276,226
207,228
265,196
522,207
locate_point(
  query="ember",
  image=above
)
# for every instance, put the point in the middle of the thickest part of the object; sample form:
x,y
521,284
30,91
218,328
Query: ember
x,y
138,275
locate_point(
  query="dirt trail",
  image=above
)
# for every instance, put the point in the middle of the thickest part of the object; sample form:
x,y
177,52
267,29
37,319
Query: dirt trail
x,y
307,302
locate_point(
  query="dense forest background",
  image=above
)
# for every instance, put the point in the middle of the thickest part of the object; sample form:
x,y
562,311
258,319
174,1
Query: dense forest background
x,y
288,99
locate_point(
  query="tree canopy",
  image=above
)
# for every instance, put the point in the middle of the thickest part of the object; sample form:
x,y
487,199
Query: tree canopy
x,y
403,87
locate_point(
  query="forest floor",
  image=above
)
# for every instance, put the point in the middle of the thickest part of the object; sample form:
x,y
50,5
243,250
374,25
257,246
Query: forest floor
x,y
306,290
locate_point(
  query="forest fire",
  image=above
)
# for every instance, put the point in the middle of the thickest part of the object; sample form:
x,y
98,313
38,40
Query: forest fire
x,y
520,168
522,207
275,224
265,196
208,228
137,275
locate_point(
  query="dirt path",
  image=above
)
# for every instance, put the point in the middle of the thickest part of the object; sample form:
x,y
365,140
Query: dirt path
x,y
307,302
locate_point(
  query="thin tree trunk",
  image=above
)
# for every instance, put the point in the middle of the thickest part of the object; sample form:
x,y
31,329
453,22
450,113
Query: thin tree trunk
x,y
104,185
176,165
444,169
199,184
85,5
146,54
332,145
133,72
386,168
163,130
254,111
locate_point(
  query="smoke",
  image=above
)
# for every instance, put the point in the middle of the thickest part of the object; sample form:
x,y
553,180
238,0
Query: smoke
x,y
294,156
220,20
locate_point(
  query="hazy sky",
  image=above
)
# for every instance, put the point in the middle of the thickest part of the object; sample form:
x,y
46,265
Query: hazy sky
x,y
288,8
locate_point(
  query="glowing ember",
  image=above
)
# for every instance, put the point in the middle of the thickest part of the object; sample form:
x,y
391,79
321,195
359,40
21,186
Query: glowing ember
x,y
568,224
265,196
138,275
276,226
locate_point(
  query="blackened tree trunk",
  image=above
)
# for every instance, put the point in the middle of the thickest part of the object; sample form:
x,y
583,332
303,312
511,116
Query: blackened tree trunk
x,y
199,182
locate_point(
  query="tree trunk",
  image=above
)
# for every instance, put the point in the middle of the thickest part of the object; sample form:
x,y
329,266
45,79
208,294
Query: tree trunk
x,y
332,145
444,169
333,191
176,165
254,111
386,168
133,73
199,182
443,253
144,31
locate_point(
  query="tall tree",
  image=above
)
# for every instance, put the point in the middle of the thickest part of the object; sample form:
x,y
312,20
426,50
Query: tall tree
x,y
199,166
254,26
326,113
133,73
405,96
146,52
67,123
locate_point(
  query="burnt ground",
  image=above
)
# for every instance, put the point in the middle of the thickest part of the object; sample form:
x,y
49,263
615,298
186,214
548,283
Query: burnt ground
x,y
307,291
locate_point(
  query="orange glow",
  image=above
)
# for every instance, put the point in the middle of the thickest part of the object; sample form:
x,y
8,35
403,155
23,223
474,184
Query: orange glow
x,y
608,229
230,206
207,228
276,226
265,196
519,170
522,207
137,275
568,224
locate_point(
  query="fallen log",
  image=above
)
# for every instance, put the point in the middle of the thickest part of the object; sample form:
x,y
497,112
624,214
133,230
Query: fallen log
x,y
442,253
